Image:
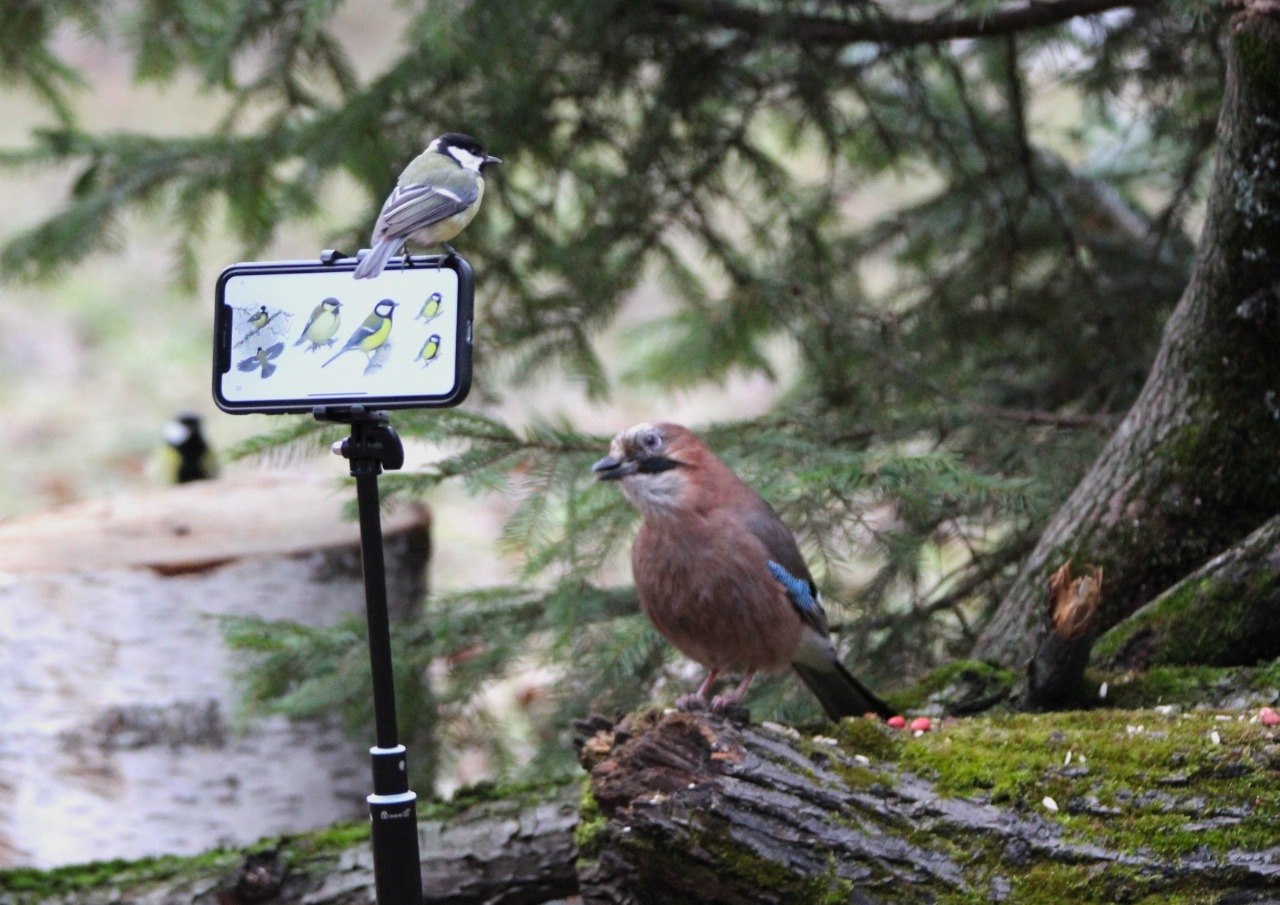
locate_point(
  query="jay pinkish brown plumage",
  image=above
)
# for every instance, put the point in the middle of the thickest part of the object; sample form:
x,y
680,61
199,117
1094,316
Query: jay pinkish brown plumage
x,y
720,576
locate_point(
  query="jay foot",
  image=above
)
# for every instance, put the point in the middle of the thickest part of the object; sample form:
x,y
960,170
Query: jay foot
x,y
691,702
730,706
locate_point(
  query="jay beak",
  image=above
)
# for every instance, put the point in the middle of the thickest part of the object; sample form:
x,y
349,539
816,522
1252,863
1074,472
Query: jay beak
x,y
720,576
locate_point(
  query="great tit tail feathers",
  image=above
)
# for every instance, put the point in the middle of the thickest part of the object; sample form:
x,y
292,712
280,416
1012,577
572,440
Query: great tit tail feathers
x,y
376,260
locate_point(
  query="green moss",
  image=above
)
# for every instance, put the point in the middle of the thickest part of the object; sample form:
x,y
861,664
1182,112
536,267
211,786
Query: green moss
x,y
959,687
1191,685
35,885
1133,791
868,737
1206,621
591,823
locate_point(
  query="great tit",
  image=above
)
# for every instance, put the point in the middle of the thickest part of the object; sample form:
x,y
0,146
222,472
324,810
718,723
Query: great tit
x,y
435,197
430,308
189,456
430,349
372,333
324,322
259,318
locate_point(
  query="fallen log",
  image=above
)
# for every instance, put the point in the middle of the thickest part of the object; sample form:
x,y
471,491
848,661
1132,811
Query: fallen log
x,y
1165,805
691,808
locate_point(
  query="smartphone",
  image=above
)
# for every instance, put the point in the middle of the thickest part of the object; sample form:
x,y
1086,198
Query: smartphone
x,y
291,336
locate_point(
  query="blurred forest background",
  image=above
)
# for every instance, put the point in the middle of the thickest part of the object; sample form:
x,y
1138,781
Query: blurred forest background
x,y
907,279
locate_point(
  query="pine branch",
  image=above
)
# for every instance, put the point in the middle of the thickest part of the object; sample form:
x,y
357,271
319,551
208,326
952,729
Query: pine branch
x,y
876,26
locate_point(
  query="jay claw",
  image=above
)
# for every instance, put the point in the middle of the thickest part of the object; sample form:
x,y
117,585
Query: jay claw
x,y
731,708
691,702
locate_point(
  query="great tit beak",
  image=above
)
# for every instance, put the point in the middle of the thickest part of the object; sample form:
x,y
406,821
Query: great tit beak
x,y
611,469
489,158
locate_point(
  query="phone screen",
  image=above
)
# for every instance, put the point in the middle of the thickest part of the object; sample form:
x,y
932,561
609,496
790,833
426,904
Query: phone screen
x,y
294,335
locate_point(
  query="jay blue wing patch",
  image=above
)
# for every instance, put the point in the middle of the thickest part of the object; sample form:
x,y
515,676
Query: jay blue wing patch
x,y
803,596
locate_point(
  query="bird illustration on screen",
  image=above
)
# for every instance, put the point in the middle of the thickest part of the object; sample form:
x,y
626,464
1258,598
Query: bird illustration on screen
x,y
322,325
262,359
430,308
435,198
371,334
720,576
430,350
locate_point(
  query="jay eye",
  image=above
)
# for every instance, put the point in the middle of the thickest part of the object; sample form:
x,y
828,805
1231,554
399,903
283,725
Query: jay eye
x,y
650,440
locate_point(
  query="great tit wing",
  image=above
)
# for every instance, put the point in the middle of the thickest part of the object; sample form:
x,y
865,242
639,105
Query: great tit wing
x,y
274,351
412,207
248,364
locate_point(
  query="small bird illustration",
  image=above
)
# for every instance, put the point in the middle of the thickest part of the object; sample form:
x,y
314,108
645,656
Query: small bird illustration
x,y
262,359
720,576
188,455
259,318
430,308
372,333
435,198
323,323
430,350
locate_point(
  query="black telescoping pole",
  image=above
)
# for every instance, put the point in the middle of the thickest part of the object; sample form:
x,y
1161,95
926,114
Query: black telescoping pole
x,y
392,807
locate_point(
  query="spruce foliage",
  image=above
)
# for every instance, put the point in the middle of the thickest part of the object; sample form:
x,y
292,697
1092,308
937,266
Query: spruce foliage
x,y
965,224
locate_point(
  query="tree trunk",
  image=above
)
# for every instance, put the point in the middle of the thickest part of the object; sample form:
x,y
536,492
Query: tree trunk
x,y
114,674
1193,467
1224,614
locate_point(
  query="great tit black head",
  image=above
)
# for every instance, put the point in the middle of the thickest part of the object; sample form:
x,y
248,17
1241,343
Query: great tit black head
x,y
464,149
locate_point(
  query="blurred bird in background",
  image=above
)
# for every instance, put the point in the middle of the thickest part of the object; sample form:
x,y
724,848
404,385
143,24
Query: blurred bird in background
x,y
435,198
720,576
188,456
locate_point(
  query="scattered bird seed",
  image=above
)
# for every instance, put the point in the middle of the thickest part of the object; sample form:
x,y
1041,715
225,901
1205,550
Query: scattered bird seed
x,y
1050,804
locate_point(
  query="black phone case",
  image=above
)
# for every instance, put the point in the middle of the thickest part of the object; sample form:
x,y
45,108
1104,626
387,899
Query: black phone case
x,y
340,267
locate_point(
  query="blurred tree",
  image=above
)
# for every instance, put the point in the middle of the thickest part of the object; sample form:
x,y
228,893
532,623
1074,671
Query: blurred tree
x,y
969,220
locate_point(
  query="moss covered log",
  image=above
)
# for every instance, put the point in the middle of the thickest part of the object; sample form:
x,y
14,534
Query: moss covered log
x,y
1226,613
1169,805
1104,806
1192,468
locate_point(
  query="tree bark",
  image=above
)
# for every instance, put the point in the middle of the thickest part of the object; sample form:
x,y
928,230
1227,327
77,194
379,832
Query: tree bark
x,y
1192,468
513,851
1226,613
693,808
697,809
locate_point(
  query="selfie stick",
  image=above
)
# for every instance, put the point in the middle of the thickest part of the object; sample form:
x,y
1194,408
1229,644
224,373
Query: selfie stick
x,y
397,875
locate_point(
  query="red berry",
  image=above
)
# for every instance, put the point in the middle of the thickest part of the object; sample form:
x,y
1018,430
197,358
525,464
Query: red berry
x,y
1268,717
896,722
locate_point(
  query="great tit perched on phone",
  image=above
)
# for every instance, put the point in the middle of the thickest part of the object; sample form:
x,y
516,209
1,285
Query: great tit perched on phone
x,y
436,196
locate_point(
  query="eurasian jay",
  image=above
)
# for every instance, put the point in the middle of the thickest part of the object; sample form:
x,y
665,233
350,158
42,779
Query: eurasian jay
x,y
720,576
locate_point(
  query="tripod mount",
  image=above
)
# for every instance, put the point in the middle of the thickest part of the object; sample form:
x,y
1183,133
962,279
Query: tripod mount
x,y
372,447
